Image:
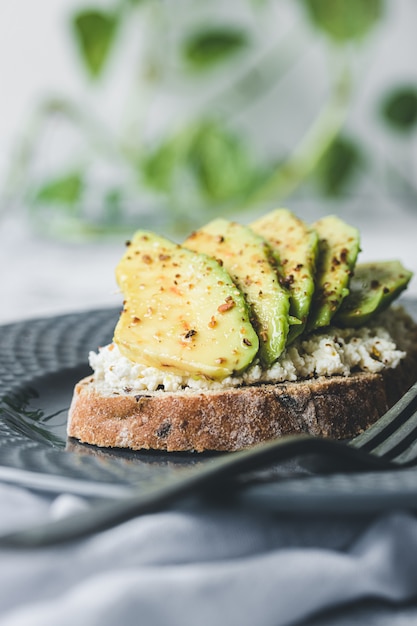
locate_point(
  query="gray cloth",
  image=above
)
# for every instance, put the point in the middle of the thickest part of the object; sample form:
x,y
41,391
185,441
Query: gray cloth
x,y
211,566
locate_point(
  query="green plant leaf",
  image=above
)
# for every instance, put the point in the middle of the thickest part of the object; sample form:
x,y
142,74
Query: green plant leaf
x,y
208,47
216,159
344,20
338,166
65,190
95,33
159,166
221,162
399,108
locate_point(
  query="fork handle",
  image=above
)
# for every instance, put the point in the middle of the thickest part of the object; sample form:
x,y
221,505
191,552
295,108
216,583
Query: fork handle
x,y
219,474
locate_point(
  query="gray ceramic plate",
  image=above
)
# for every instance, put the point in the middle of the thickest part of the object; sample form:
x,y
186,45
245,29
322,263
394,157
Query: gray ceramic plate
x,y
40,362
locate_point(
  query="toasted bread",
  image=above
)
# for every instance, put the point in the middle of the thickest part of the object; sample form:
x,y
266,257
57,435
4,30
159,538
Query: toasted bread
x,y
231,419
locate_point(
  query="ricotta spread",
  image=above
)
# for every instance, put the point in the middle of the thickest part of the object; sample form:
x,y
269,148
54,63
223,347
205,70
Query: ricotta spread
x,y
333,351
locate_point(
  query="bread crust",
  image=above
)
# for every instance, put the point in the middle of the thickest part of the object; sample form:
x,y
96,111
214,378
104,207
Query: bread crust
x,y
235,418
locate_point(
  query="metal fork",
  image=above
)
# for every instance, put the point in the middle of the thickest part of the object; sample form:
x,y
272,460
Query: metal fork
x,y
393,438
391,443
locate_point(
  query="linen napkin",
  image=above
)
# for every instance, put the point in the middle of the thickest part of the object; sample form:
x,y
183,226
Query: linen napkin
x,y
210,564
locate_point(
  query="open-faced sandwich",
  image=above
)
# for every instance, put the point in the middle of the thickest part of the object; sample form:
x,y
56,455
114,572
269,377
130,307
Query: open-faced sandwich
x,y
247,333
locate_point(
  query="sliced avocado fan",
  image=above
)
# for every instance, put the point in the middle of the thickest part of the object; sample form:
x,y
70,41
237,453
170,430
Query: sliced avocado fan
x,y
232,293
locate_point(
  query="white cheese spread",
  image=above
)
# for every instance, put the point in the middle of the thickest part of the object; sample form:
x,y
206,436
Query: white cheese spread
x,y
333,351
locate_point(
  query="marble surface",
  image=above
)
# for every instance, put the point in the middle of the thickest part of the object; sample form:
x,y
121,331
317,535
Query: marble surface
x,y
41,277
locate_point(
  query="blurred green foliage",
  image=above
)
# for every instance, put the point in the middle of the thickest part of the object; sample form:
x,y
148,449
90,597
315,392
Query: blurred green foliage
x,y
65,191
338,166
344,20
211,158
205,162
399,108
94,31
208,47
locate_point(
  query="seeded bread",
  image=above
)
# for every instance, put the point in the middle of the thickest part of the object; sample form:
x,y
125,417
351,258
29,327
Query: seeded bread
x,y
337,407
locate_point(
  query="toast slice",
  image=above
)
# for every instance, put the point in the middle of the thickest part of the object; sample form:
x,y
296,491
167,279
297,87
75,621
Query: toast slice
x,y
190,333
234,418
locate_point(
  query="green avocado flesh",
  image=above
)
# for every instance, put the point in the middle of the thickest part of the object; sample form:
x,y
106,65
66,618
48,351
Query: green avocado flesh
x,y
372,288
232,295
295,247
338,251
248,260
182,312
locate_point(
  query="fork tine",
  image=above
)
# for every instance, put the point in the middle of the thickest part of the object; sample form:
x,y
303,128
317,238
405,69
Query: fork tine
x,y
406,455
385,429
399,442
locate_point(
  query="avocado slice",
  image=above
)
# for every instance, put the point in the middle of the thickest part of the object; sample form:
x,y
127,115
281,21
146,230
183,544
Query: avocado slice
x,y
338,250
182,312
373,287
248,259
295,247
